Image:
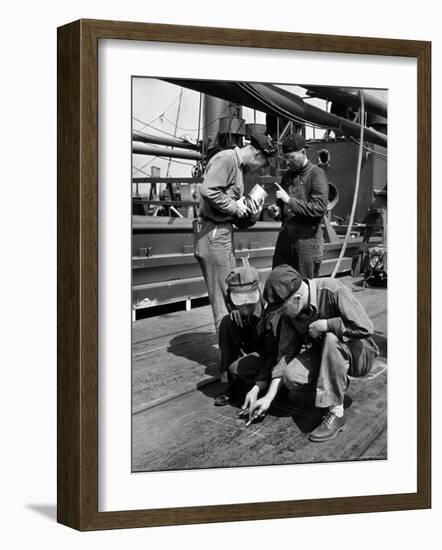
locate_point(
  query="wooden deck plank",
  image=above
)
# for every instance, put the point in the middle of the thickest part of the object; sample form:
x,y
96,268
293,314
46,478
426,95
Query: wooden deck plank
x,y
191,433
148,329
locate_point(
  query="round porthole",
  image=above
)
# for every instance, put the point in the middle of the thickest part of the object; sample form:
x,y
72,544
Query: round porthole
x,y
324,157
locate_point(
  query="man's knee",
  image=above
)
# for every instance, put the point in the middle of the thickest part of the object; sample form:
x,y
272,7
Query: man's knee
x,y
295,375
246,368
233,370
335,354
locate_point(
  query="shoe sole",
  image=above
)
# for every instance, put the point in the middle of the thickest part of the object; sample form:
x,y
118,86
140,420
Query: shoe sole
x,y
222,403
341,429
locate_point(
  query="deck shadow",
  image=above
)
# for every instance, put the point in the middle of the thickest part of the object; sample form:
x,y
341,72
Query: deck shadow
x,y
300,405
198,349
381,342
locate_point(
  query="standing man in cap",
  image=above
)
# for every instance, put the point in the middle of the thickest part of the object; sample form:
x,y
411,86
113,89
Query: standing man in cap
x,y
223,205
325,335
247,339
301,204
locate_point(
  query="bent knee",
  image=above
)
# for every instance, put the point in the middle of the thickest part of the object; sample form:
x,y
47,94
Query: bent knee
x,y
295,375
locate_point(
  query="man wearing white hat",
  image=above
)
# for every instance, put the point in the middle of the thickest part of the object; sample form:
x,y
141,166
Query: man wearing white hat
x,y
246,339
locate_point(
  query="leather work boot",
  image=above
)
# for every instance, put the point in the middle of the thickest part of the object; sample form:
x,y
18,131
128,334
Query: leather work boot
x,y
233,393
328,429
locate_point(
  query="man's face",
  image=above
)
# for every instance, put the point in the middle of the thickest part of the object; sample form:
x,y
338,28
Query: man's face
x,y
292,306
257,162
295,159
246,309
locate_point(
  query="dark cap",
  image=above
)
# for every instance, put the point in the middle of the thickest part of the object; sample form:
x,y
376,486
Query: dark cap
x,y
243,285
293,142
282,282
264,144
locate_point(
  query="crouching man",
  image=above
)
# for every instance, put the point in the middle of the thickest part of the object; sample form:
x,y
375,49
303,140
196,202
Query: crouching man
x,y
245,336
325,335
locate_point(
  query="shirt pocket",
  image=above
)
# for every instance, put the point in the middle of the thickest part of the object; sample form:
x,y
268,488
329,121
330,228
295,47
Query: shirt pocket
x,y
297,190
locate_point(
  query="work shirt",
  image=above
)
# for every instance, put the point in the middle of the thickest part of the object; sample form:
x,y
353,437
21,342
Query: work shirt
x,y
248,334
260,333
223,185
331,300
308,191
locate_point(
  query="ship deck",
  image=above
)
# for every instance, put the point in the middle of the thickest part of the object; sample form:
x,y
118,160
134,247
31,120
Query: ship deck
x,y
175,424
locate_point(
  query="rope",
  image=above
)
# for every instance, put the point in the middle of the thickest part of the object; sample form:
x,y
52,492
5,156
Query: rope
x,y
355,195
372,151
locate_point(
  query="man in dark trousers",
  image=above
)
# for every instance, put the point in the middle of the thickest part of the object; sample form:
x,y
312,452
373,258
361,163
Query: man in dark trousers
x,y
325,334
301,204
223,205
247,339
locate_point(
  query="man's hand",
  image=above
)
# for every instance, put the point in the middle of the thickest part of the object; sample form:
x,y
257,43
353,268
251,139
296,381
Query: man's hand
x,y
235,315
241,208
256,205
273,211
281,194
259,409
250,399
223,377
317,328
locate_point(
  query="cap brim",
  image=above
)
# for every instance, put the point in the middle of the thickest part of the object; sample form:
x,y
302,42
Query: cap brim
x,y
242,298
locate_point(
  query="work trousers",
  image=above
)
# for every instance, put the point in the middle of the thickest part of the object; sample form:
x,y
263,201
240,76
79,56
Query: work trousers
x,y
327,366
214,252
300,246
241,351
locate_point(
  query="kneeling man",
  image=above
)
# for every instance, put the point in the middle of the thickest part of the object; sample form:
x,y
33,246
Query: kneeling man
x,y
325,335
248,345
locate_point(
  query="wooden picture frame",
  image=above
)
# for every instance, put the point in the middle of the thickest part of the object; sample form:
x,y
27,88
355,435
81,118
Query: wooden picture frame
x,y
78,274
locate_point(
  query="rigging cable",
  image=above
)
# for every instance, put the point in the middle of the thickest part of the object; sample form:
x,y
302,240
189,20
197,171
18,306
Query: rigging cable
x,y
162,158
176,126
154,127
161,115
201,127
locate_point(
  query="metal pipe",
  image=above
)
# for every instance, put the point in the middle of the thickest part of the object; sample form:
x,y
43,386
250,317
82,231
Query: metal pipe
x,y
162,140
349,97
287,104
144,149
271,99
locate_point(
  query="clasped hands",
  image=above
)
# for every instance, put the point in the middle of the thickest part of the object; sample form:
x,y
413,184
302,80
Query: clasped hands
x,y
251,207
317,328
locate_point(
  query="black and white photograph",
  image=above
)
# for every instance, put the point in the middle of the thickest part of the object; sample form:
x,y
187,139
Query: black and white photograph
x,y
259,274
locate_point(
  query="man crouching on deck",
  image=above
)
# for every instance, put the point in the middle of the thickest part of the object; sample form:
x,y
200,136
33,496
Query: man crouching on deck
x,y
245,336
325,335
